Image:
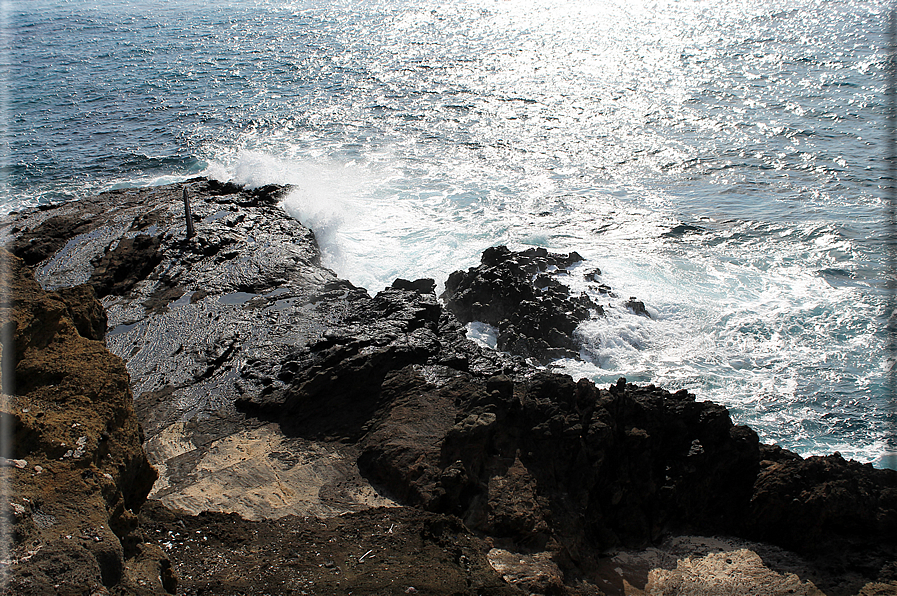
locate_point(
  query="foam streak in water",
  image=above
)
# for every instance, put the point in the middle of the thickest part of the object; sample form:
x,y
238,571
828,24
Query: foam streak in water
x,y
720,160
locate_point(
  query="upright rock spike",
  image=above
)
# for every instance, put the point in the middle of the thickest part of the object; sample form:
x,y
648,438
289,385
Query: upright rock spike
x,y
190,231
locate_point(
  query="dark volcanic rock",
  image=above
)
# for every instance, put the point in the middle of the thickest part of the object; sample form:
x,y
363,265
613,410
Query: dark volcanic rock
x,y
637,306
553,464
517,293
423,286
199,323
44,240
551,459
270,388
131,261
333,387
823,504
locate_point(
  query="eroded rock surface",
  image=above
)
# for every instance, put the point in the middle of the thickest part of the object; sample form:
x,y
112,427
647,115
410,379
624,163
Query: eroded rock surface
x,y
518,293
332,387
201,322
825,505
549,461
79,474
270,390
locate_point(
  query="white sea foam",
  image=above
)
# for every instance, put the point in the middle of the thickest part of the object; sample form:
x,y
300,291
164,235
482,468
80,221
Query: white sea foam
x,y
755,336
326,194
739,315
417,134
483,334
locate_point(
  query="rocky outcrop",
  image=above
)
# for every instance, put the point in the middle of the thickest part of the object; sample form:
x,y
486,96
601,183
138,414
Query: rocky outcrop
x,y
553,461
825,505
518,293
271,391
201,322
78,473
332,387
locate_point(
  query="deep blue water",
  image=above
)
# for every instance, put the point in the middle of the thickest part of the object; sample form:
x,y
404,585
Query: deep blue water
x,y
721,161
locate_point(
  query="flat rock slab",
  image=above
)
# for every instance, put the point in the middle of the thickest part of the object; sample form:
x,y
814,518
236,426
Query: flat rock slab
x,y
260,474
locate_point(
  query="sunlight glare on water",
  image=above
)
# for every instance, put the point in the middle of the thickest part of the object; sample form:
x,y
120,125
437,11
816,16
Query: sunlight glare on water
x,y
718,160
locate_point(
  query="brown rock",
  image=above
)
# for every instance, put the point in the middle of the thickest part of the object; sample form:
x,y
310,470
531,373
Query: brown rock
x,y
534,574
73,421
515,507
85,310
383,551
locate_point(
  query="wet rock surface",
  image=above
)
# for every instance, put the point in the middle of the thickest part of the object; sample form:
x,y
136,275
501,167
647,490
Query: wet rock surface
x,y
201,322
310,437
518,293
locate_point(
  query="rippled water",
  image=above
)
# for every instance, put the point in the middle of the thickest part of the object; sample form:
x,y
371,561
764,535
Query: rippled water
x,y
719,160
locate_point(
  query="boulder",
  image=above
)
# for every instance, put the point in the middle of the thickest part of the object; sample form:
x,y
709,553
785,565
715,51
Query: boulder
x,y
517,292
825,505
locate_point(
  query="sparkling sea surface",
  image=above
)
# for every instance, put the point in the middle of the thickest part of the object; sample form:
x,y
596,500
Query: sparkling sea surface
x,y
721,161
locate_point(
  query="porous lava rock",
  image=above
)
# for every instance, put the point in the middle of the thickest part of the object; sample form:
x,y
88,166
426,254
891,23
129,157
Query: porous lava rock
x,y
517,292
277,397
824,505
78,473
332,387
550,460
544,463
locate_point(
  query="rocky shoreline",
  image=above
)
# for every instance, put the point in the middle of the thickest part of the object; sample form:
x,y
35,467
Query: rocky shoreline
x,y
220,414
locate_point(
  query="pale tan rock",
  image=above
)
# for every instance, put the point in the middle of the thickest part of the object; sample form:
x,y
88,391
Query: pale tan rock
x,y
260,474
879,589
534,574
733,573
689,565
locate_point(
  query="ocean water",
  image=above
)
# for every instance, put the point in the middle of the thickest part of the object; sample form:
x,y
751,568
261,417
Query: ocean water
x,y
721,161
